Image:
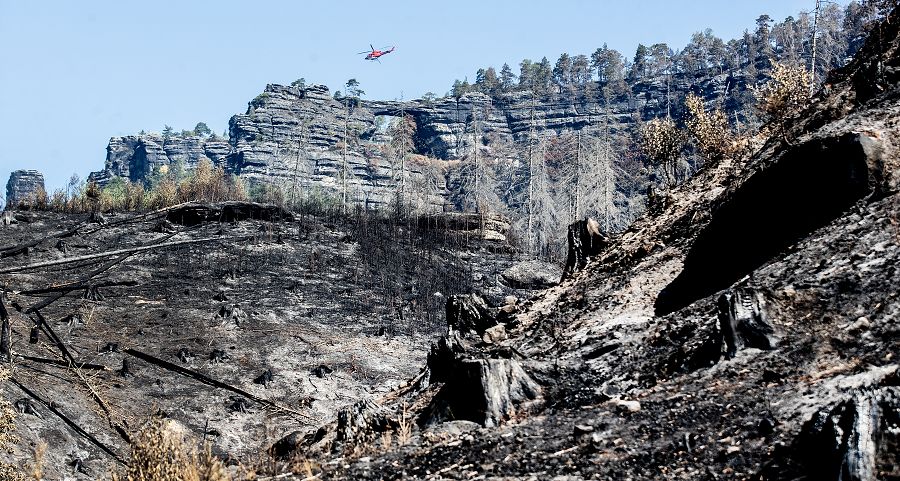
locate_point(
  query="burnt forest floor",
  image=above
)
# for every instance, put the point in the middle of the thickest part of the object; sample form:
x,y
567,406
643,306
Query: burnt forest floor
x,y
306,316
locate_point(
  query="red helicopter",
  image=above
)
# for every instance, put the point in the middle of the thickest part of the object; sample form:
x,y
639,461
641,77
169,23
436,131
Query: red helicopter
x,y
374,54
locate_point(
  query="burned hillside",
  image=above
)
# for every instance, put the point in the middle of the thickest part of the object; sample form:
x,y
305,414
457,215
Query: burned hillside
x,y
746,329
237,321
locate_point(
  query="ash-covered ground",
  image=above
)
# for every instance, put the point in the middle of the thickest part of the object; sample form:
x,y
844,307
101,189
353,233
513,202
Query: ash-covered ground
x,y
240,331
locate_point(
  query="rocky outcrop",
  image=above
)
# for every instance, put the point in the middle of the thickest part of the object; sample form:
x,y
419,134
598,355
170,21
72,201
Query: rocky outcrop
x,y
302,139
800,191
196,213
137,157
23,187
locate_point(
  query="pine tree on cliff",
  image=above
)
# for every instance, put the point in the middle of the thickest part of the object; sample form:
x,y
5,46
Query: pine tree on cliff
x,y
507,78
486,81
562,72
639,64
351,100
763,41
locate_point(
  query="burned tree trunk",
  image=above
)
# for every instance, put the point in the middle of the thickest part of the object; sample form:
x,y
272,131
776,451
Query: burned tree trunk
x,y
585,240
857,440
478,386
744,322
5,353
469,313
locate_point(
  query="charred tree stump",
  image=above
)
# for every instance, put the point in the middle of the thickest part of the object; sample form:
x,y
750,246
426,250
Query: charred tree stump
x,y
585,240
5,352
360,422
480,389
744,322
469,313
857,440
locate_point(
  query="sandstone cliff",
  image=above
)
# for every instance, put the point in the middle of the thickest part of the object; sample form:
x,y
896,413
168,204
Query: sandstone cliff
x,y
294,137
22,186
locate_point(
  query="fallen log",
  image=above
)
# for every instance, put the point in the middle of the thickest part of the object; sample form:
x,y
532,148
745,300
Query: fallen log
x,y
101,255
68,287
103,268
211,382
20,248
72,424
57,362
136,217
50,333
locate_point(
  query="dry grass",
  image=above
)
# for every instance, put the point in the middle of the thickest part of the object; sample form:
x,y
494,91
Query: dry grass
x,y
37,467
404,428
161,453
8,472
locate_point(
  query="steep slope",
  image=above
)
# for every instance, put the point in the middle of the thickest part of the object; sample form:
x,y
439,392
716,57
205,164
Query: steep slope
x,y
747,331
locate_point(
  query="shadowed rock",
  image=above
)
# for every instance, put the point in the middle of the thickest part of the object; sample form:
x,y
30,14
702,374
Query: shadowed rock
x,y
806,188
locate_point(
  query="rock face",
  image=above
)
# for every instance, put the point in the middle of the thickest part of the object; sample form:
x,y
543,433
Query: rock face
x,y
302,139
22,186
136,157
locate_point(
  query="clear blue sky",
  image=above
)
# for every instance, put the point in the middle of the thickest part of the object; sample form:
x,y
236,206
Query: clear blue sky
x,y
75,73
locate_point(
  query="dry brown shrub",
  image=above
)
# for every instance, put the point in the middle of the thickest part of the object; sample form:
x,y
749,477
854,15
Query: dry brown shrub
x,y
784,96
661,143
8,472
710,132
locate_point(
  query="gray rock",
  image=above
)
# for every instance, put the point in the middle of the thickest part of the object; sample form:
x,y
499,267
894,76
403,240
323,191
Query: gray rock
x,y
452,429
532,274
494,334
23,187
294,137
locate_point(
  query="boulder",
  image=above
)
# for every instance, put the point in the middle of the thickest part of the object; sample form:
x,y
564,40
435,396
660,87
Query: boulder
x,y
532,274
